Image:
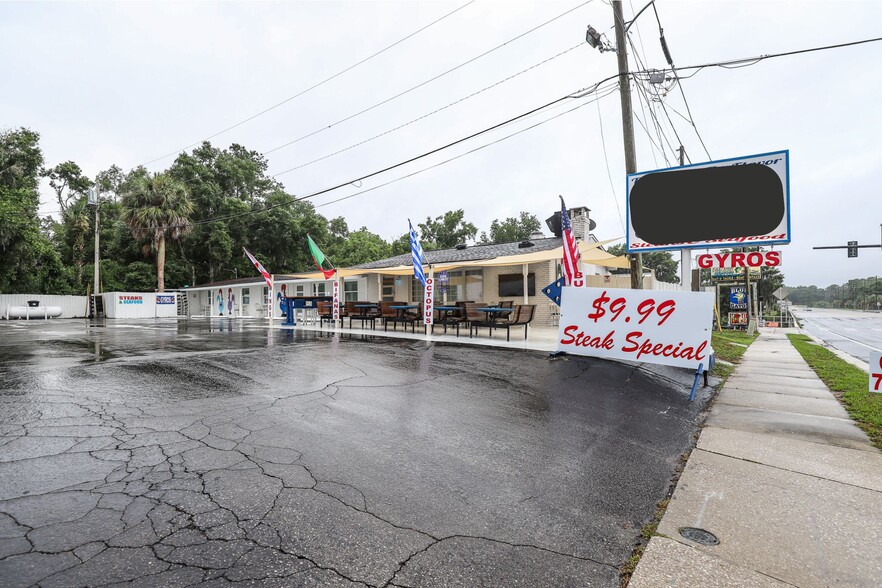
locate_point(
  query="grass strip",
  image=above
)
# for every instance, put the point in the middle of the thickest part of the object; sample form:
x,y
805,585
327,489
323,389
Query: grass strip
x,y
848,383
730,345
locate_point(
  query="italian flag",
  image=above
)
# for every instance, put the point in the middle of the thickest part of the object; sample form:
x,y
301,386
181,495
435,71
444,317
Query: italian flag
x,y
319,258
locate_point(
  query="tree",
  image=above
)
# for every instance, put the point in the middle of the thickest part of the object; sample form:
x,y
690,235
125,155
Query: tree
x,y
511,230
661,261
67,177
360,246
28,261
446,231
156,208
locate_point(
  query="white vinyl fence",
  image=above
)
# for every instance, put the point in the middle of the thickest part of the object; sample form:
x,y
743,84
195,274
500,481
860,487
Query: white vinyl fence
x,y
71,306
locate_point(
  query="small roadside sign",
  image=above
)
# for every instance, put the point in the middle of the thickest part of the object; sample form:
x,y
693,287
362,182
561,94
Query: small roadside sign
x,y
781,293
852,249
876,371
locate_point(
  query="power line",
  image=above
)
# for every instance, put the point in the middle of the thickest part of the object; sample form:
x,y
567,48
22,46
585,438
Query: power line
x,y
571,96
314,86
581,93
293,200
679,85
428,114
423,83
608,173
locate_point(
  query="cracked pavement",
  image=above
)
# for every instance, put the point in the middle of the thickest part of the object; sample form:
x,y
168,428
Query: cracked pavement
x,y
224,453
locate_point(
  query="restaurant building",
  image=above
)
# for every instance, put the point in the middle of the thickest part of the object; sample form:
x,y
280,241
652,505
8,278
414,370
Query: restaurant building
x,y
514,272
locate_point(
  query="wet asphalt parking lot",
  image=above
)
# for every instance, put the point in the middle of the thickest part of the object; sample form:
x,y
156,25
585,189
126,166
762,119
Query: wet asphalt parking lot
x,y
214,452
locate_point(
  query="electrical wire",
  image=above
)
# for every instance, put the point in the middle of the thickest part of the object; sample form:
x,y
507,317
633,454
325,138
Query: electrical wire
x,y
679,85
294,200
608,172
421,84
578,94
571,96
428,114
314,86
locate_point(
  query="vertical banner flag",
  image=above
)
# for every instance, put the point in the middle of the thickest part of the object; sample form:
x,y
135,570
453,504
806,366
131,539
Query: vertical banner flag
x,y
416,252
571,254
429,300
261,269
336,301
319,258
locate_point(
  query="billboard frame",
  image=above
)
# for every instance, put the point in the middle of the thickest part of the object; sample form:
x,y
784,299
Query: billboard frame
x,y
705,244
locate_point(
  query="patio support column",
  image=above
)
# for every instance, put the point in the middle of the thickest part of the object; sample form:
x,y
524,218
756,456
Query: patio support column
x,y
526,281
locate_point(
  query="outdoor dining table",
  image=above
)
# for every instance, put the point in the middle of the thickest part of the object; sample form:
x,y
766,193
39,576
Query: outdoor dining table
x,y
371,318
493,314
402,311
444,318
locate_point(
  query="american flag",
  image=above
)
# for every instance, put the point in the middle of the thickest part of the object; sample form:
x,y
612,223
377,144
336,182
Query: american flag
x,y
416,252
260,268
570,247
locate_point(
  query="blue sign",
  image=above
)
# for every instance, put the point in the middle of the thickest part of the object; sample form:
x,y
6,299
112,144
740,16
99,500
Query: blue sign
x,y
165,299
738,298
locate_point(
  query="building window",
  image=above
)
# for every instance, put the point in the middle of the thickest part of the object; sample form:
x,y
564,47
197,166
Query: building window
x,y
350,291
320,288
462,286
266,299
246,296
388,291
416,290
298,290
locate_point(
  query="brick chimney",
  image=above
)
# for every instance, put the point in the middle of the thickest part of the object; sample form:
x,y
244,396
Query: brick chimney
x,y
581,222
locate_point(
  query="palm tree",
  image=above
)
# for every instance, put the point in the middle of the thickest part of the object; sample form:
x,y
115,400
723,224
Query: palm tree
x,y
156,208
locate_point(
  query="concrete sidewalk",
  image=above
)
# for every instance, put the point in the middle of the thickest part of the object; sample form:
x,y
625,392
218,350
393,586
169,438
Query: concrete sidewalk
x,y
790,486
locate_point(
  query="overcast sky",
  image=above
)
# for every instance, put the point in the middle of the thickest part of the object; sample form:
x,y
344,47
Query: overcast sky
x,y
126,83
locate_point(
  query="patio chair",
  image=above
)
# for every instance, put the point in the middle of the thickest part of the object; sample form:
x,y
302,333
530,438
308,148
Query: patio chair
x,y
386,313
325,312
521,317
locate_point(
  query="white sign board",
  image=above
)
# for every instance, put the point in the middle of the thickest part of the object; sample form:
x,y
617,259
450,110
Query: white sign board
x,y
713,207
669,328
336,310
876,371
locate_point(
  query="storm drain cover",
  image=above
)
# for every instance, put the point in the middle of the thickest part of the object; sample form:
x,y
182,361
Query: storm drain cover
x,y
699,536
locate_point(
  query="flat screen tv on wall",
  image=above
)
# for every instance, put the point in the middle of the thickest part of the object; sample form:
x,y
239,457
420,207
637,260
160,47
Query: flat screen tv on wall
x,y
513,285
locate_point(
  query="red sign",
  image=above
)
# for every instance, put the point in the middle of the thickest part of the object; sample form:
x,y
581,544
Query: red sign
x,y
750,259
875,371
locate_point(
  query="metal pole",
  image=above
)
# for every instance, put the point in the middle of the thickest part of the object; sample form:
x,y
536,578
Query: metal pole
x,y
685,254
627,124
97,259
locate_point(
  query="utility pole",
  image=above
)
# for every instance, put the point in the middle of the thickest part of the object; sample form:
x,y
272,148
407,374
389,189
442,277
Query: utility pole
x,y
627,123
93,200
685,254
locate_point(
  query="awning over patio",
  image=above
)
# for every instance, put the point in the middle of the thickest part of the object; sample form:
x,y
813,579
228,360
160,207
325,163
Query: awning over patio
x,y
590,253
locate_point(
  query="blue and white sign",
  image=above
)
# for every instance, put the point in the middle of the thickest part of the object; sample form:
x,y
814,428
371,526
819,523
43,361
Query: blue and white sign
x,y
165,299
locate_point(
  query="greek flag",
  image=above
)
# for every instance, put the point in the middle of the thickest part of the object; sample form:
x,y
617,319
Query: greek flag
x,y
417,253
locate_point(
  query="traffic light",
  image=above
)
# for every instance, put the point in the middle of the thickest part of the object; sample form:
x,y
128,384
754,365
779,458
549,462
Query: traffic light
x,y
852,249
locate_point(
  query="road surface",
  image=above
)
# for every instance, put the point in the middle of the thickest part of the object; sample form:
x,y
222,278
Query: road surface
x,y
213,452
853,332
